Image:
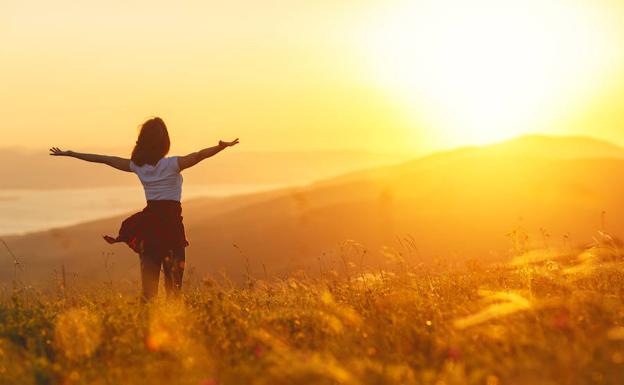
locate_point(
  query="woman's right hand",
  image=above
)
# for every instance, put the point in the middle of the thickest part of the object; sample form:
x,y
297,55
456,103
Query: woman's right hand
x,y
55,151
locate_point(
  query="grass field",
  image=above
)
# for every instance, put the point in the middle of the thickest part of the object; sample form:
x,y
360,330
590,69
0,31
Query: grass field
x,y
547,317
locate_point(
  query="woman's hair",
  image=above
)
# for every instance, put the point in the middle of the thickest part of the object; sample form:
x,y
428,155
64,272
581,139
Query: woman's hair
x,y
153,143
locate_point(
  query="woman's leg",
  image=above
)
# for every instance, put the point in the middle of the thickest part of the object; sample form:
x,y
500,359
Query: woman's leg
x,y
173,267
150,273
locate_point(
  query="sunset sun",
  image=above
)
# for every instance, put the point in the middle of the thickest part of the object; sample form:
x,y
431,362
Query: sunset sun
x,y
484,71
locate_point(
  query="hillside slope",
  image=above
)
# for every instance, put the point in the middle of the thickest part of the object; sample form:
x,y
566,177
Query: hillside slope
x,y
456,205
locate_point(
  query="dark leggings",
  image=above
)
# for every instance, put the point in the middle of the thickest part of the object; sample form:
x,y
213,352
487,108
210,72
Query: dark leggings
x,y
173,269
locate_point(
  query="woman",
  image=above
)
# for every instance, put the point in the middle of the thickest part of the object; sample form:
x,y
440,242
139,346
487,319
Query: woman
x,y
157,232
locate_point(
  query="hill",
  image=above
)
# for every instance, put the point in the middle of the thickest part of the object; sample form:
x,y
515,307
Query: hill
x,y
471,203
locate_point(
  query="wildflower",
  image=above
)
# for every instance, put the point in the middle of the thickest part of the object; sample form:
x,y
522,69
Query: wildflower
x,y
453,353
259,351
562,320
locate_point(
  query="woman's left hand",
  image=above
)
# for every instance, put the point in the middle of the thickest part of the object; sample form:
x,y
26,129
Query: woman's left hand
x,y
228,144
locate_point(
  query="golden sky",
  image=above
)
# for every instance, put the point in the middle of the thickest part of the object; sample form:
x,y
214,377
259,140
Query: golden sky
x,y
390,76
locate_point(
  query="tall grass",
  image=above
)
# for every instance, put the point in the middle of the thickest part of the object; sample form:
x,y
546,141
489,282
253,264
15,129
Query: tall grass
x,y
548,317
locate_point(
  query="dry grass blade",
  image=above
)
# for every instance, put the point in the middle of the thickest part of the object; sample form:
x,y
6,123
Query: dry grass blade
x,y
506,303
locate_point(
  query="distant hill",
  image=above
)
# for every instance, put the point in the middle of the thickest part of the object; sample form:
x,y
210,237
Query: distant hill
x,y
457,205
541,146
561,147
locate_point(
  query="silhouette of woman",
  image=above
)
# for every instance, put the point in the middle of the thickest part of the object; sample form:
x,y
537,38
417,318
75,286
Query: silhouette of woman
x,y
156,233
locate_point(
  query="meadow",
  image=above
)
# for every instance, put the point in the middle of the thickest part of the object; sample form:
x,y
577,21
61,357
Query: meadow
x,y
545,317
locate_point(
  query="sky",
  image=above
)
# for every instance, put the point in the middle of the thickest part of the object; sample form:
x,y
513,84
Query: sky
x,y
384,76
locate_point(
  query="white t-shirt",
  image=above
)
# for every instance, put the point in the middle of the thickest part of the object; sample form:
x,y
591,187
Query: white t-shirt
x,y
162,181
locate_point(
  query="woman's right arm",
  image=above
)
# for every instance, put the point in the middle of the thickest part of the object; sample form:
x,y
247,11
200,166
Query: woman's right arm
x,y
122,164
193,158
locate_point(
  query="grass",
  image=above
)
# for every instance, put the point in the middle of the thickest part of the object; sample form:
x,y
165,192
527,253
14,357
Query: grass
x,y
547,317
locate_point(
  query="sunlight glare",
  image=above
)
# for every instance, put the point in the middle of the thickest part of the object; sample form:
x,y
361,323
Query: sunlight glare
x,y
487,70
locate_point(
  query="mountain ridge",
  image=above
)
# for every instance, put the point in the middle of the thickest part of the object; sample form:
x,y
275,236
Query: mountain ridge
x,y
599,149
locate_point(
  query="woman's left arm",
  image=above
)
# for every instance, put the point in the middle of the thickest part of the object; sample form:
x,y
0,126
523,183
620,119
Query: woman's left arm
x,y
113,161
192,159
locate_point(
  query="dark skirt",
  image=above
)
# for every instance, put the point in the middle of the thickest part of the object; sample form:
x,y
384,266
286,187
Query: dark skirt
x,y
156,230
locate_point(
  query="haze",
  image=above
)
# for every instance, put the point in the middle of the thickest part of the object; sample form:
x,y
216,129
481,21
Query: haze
x,y
369,75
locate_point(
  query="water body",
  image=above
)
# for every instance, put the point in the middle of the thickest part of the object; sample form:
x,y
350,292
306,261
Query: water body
x,y
23,211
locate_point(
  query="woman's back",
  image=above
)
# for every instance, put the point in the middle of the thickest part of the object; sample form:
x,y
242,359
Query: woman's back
x,y
161,181
156,233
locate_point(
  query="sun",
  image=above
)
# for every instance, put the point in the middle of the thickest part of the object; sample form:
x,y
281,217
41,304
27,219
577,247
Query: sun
x,y
486,70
